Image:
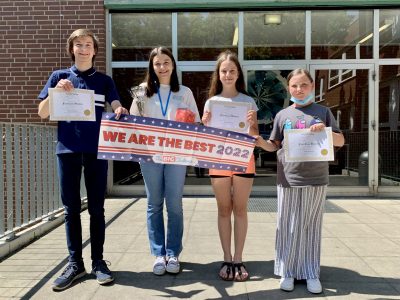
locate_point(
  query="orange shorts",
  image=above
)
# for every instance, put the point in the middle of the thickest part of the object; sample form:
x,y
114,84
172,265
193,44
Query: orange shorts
x,y
251,169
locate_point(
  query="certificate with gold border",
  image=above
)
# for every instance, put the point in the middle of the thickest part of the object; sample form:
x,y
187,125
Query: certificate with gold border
x,y
302,145
77,105
229,115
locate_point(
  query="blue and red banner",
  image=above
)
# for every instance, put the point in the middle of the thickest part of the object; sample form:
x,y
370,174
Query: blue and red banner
x,y
144,139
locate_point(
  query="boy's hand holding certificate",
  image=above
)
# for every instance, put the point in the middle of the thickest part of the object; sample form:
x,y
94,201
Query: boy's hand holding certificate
x,y
229,115
303,145
77,105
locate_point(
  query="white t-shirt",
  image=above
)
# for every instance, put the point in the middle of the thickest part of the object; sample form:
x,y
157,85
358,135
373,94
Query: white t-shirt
x,y
182,99
239,98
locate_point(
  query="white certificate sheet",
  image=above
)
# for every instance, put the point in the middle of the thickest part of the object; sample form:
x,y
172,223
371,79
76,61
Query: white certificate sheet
x,y
77,105
303,145
229,115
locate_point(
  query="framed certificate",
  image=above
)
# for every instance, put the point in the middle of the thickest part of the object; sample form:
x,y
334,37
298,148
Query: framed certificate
x,y
229,115
303,145
77,105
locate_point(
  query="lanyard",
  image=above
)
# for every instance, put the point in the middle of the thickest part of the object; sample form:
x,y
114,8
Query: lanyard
x,y
164,111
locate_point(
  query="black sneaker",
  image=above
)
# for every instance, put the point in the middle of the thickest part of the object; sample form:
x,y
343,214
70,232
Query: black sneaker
x,y
101,271
72,272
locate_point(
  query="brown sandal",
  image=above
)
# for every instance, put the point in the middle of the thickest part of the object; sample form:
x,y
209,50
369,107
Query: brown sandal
x,y
238,270
229,271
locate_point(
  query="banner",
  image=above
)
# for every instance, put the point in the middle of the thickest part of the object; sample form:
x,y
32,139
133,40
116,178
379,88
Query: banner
x,y
144,139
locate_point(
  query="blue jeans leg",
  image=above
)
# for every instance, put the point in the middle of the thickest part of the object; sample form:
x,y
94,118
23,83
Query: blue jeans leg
x,y
164,181
174,182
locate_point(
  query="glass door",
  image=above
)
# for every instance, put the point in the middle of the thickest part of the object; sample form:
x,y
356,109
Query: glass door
x,y
267,85
197,78
348,91
127,177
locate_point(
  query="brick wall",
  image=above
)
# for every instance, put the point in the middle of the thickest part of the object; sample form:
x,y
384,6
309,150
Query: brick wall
x,y
33,38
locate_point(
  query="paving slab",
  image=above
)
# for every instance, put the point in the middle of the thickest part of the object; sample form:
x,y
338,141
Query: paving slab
x,y
360,255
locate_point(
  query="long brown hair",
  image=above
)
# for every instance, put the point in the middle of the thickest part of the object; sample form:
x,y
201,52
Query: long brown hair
x,y
151,79
216,84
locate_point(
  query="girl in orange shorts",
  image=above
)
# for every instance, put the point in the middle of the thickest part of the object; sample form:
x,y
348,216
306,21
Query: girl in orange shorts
x,y
231,189
250,171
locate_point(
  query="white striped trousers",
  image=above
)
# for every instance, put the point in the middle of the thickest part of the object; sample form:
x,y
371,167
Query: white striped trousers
x,y
298,232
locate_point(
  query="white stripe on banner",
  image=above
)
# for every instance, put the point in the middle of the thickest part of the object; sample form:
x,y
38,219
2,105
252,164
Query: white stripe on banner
x,y
161,141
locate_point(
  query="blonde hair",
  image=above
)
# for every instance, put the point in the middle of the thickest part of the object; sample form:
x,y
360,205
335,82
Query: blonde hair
x,y
298,72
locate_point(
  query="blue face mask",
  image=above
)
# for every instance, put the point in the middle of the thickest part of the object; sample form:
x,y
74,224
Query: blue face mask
x,y
305,101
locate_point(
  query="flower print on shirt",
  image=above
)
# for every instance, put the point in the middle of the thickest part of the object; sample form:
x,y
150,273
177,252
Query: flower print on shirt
x,y
288,124
301,123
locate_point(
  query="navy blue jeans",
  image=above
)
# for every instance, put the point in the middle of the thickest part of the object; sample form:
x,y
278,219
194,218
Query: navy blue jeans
x,y
95,173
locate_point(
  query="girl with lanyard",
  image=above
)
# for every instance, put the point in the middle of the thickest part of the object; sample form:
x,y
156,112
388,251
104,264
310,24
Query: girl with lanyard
x,y
165,99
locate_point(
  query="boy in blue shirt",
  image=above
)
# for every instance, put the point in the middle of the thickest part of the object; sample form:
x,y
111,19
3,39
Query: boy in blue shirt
x,y
76,148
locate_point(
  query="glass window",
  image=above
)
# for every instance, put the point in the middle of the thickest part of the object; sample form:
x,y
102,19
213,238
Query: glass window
x,y
125,79
389,33
389,124
134,35
268,88
341,34
127,172
348,101
198,82
338,76
274,35
202,36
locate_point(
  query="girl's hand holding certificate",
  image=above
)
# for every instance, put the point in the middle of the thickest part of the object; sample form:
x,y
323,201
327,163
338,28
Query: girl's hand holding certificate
x,y
234,116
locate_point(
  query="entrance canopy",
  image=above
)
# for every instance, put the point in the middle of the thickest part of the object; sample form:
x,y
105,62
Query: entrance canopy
x,y
239,4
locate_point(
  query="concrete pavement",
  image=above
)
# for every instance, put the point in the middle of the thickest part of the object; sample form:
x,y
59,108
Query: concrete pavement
x,y
360,255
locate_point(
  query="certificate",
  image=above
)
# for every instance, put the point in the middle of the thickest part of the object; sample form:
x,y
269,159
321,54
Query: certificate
x,y
77,105
229,115
303,145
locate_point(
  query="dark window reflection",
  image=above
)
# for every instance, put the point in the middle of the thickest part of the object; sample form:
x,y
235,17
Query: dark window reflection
x,y
274,35
202,36
125,79
389,124
345,92
127,172
389,33
341,34
134,35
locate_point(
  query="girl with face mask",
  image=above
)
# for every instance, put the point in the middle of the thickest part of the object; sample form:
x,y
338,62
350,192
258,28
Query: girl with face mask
x,y
301,187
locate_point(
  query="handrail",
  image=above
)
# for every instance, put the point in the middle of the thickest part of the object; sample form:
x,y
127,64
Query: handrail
x,y
29,188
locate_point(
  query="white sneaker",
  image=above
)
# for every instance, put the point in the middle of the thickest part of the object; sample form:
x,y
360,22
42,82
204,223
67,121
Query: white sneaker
x,y
287,284
314,286
173,265
159,265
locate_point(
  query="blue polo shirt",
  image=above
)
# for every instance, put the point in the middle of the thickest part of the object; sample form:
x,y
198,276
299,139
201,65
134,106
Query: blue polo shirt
x,y
82,136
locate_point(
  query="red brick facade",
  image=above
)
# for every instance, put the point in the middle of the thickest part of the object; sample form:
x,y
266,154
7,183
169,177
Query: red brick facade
x,y
33,38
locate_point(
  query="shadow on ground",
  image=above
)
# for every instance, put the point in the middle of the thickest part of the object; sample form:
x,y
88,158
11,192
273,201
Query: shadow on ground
x,y
336,282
